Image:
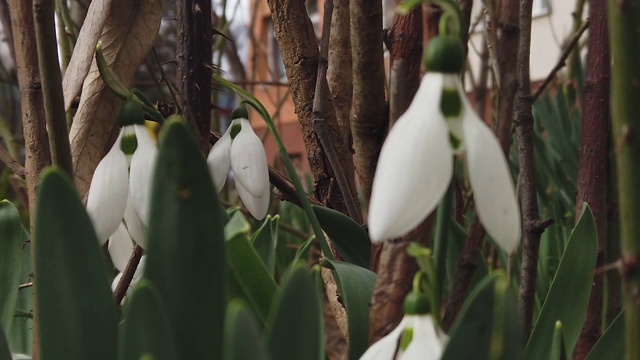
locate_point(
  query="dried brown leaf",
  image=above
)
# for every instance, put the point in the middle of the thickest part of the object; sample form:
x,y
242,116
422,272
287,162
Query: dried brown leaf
x,y
127,37
83,51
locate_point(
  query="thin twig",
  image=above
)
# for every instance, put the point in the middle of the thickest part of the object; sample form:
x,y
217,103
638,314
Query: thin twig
x,y
573,41
12,163
51,78
319,124
25,285
127,274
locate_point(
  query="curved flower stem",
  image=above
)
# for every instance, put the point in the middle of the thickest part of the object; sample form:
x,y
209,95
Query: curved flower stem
x,y
302,195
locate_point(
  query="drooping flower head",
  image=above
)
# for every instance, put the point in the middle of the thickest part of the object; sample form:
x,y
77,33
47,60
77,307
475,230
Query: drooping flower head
x,y
121,185
241,150
415,165
416,337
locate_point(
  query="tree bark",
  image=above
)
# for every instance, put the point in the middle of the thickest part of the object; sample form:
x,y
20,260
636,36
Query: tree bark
x,y
339,73
194,66
296,39
33,119
523,118
592,170
508,48
368,114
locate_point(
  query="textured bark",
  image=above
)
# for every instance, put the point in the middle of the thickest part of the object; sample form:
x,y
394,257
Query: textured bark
x,y
394,266
508,50
523,118
296,39
592,171
33,120
339,73
194,66
404,41
368,114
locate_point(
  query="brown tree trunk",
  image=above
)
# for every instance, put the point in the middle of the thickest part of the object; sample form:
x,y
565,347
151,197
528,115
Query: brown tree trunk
x,y
194,65
33,120
592,171
508,48
339,73
296,39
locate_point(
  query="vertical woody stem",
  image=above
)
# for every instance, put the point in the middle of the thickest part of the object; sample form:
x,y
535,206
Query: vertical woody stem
x,y
624,17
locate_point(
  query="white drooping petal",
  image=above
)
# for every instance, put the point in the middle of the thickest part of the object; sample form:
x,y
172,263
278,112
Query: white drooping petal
x,y
219,159
143,164
427,342
387,347
136,228
493,190
120,247
414,167
257,206
108,193
249,160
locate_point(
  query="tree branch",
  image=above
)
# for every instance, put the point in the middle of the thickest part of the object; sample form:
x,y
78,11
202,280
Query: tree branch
x,y
523,118
12,163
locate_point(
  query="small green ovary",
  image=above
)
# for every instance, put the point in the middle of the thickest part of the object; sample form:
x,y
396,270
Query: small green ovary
x,y
129,144
450,103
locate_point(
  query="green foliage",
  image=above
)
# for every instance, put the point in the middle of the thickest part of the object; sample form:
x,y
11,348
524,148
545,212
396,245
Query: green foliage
x,y
11,240
351,241
5,354
265,241
356,286
569,293
611,343
186,252
76,314
295,326
146,330
242,337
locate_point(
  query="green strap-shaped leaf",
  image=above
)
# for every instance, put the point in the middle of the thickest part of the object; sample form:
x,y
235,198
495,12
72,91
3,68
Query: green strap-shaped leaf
x,y
242,339
186,253
557,343
237,224
265,241
569,293
611,343
76,313
146,330
11,235
254,282
5,353
471,335
21,335
351,241
294,330
356,288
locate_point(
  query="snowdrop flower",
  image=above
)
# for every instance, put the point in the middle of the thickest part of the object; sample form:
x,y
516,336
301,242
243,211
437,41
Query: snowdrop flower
x,y
416,337
415,165
240,149
121,185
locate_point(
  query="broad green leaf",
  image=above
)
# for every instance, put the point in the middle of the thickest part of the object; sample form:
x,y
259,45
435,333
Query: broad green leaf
x,y
238,224
351,241
557,344
441,237
76,313
242,339
294,330
11,236
21,335
186,251
488,326
5,353
252,277
611,343
356,288
146,330
569,293
303,249
265,241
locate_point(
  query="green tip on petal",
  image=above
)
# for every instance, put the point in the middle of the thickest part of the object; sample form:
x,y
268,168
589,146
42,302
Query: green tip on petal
x,y
131,113
235,130
406,338
129,144
416,303
445,54
240,113
450,103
